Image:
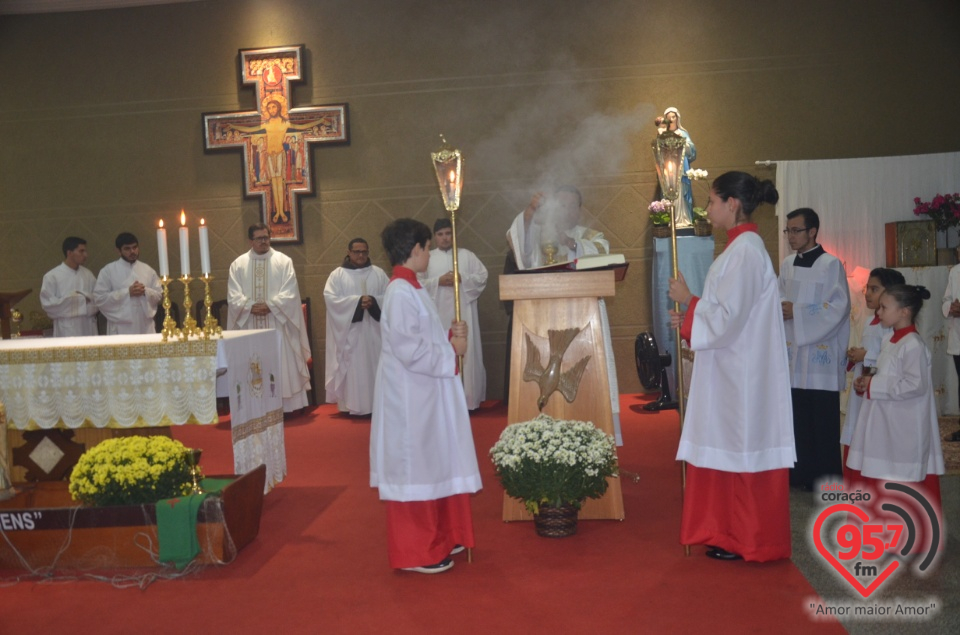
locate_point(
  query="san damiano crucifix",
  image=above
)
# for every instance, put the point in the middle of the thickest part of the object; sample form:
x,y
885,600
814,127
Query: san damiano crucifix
x,y
275,139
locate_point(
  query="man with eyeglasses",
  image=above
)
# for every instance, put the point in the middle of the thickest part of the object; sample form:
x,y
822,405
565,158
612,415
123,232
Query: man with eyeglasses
x,y
816,318
262,293
353,295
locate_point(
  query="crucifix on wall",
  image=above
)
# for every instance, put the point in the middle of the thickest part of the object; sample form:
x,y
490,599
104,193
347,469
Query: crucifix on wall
x,y
275,139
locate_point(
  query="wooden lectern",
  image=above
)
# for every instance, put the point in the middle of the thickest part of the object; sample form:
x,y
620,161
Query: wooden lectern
x,y
7,300
556,301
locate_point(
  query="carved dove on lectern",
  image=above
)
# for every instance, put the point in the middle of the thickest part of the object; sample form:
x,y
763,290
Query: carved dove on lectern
x,y
550,378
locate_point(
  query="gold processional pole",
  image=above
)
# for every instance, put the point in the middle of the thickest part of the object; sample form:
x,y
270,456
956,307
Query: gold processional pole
x,y
448,164
668,149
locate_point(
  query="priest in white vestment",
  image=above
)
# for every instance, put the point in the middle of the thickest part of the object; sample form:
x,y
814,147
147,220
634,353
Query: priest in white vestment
x,y
128,291
262,293
552,221
438,281
816,319
353,296
66,293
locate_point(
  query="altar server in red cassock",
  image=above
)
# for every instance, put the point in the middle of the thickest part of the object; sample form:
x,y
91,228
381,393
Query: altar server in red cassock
x,y
897,437
738,428
422,457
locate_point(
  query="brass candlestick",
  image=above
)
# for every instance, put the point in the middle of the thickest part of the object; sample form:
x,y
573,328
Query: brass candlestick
x,y
169,326
16,317
210,326
193,459
189,324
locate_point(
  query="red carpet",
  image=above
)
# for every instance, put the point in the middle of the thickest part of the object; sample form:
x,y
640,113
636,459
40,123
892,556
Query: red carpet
x,y
320,562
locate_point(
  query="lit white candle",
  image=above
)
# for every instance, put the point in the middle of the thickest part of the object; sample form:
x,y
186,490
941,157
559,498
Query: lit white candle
x,y
204,249
162,250
184,246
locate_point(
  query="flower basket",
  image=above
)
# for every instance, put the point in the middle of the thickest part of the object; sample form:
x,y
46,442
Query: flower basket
x,y
553,462
556,522
702,228
661,231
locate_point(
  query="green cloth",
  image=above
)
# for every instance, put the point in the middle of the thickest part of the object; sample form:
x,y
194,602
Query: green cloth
x,y
177,528
177,523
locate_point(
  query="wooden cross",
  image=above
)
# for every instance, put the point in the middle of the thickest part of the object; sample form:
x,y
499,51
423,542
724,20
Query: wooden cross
x,y
275,139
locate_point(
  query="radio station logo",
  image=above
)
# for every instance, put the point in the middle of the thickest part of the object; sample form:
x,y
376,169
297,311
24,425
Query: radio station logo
x,y
867,537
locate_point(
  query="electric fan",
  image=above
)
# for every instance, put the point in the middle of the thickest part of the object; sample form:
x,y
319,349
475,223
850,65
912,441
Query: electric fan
x,y
652,370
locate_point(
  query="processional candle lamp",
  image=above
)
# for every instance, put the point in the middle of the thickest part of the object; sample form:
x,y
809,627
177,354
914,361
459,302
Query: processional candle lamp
x,y
210,326
169,326
668,149
448,164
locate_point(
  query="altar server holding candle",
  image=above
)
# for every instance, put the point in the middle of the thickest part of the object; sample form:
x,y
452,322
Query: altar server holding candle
x,y
128,291
737,436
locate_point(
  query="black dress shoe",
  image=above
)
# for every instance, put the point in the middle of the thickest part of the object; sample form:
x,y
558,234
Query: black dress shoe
x,y
722,554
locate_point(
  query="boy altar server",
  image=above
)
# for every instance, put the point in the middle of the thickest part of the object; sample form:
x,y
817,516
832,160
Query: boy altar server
x,y
422,457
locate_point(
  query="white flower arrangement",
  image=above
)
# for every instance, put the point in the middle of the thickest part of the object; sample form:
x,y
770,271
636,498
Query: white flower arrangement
x,y
550,461
697,175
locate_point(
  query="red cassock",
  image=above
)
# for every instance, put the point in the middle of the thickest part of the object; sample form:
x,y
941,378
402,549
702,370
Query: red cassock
x,y
738,428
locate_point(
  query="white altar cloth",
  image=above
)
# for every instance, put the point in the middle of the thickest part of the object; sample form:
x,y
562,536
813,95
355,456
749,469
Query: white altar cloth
x,y
133,381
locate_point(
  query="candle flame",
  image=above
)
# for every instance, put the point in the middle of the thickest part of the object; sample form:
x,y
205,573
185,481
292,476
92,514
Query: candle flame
x,y
183,218
161,223
453,176
201,221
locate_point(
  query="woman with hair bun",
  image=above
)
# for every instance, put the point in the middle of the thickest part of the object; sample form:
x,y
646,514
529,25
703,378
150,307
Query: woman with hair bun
x,y
737,435
897,437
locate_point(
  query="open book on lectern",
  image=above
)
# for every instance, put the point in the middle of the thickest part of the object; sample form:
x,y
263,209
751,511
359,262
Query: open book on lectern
x,y
584,263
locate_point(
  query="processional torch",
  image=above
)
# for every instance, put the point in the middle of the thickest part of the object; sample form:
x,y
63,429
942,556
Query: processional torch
x,y
668,149
448,164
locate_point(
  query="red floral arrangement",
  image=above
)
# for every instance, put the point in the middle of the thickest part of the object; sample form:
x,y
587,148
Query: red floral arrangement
x,y
943,210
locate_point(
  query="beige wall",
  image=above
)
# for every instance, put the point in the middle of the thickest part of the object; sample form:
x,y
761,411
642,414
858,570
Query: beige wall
x,y
100,117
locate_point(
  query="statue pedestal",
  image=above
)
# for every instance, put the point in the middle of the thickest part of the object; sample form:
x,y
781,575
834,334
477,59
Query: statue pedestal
x,y
555,301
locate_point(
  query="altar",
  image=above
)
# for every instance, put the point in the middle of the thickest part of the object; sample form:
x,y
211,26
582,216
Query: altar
x,y
123,382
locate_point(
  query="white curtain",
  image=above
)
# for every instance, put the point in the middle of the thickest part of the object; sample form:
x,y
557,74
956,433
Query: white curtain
x,y
856,197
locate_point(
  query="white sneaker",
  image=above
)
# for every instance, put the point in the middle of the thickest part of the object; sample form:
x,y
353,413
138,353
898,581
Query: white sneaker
x,y
440,567
457,549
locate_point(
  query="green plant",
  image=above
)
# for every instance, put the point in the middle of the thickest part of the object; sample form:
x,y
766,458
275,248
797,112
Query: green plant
x,y
700,213
660,218
550,461
131,471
